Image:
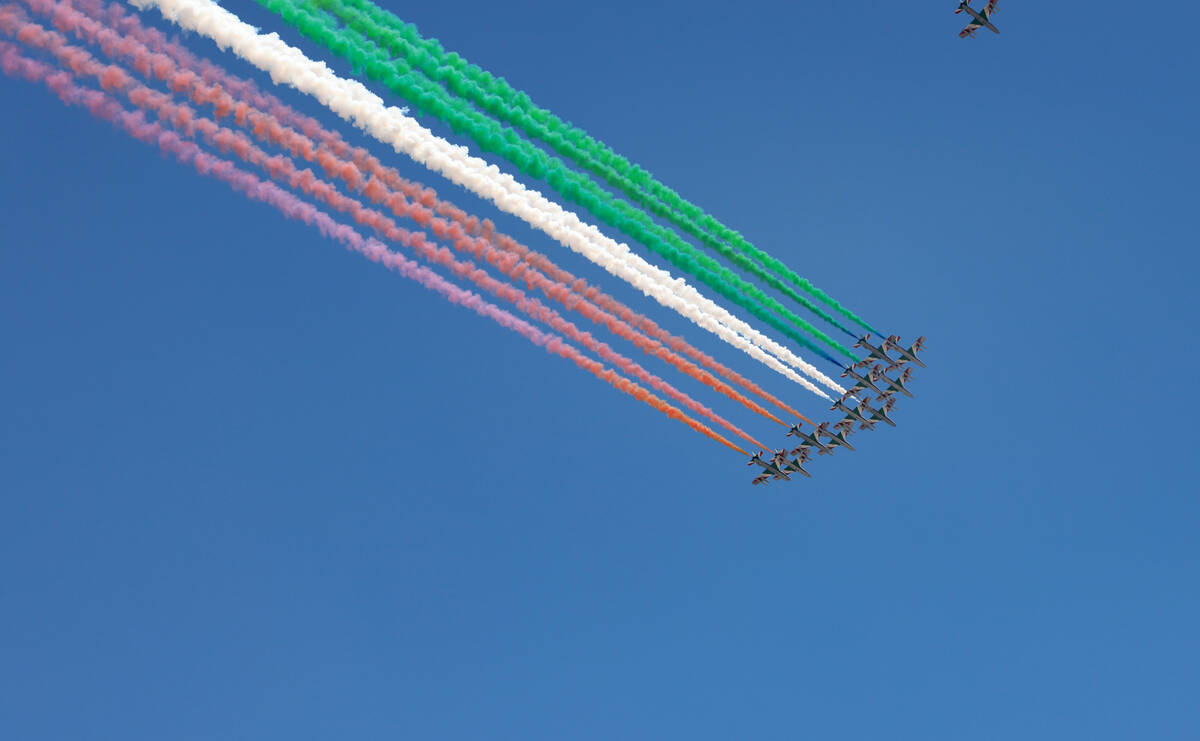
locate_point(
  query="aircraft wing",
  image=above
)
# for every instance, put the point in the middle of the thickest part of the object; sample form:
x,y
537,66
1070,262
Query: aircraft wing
x,y
989,8
969,30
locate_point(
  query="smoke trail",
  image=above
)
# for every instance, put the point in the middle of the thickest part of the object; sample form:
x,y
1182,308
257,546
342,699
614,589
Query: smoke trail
x,y
413,67
498,98
353,102
105,107
269,130
424,198
576,188
282,168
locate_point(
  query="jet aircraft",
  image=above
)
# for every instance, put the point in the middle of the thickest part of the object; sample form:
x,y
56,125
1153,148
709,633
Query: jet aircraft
x,y
855,414
879,353
979,18
881,414
906,356
894,384
812,439
864,381
770,468
795,466
838,438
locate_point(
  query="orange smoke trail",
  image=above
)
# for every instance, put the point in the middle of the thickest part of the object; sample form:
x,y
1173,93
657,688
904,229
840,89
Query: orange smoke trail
x,y
268,130
105,107
153,55
283,169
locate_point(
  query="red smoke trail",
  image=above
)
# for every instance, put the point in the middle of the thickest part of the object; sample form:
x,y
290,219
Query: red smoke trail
x,y
146,48
283,169
105,107
269,130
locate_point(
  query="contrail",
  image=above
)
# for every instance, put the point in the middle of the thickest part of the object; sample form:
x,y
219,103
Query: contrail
x,y
572,186
497,97
105,107
269,130
353,102
283,169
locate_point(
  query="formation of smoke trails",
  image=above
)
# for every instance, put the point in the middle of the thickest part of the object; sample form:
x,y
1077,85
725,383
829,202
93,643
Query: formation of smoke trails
x,y
269,130
423,197
408,64
281,168
105,107
354,103
364,55
498,98
411,78
116,17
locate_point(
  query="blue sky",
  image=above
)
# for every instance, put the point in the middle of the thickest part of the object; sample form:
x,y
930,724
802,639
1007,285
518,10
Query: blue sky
x,y
254,486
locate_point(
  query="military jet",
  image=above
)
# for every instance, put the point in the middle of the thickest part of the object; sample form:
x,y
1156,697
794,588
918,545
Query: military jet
x,y
838,438
894,384
906,356
855,414
880,353
770,468
979,18
795,466
811,439
881,414
864,382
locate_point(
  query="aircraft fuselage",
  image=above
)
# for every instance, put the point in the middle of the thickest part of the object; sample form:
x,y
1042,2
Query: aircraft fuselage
x,y
864,380
983,21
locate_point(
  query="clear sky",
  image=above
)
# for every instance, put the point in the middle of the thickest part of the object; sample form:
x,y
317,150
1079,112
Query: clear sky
x,y
252,486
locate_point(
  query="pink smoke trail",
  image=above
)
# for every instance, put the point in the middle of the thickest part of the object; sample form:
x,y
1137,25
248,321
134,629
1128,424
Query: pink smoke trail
x,y
107,108
146,54
283,169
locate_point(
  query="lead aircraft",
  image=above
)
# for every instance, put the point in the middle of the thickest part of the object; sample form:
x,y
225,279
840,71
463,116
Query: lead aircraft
x,y
979,18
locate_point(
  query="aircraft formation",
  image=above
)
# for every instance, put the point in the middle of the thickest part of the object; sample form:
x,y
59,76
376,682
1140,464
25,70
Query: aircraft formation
x,y
872,384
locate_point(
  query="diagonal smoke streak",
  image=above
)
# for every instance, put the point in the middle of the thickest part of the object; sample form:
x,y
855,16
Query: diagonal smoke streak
x,y
497,97
353,102
268,129
114,15
580,189
105,107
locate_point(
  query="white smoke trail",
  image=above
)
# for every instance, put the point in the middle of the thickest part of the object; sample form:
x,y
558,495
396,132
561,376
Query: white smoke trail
x,y
352,101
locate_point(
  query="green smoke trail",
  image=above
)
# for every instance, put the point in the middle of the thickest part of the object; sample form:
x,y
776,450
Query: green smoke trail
x,y
491,136
497,97
366,24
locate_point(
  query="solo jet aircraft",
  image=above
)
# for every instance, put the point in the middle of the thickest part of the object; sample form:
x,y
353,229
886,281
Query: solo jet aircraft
x,y
906,356
979,18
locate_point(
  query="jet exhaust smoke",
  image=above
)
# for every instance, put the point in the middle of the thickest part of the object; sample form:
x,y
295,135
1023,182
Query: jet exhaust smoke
x,y
353,102
103,106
